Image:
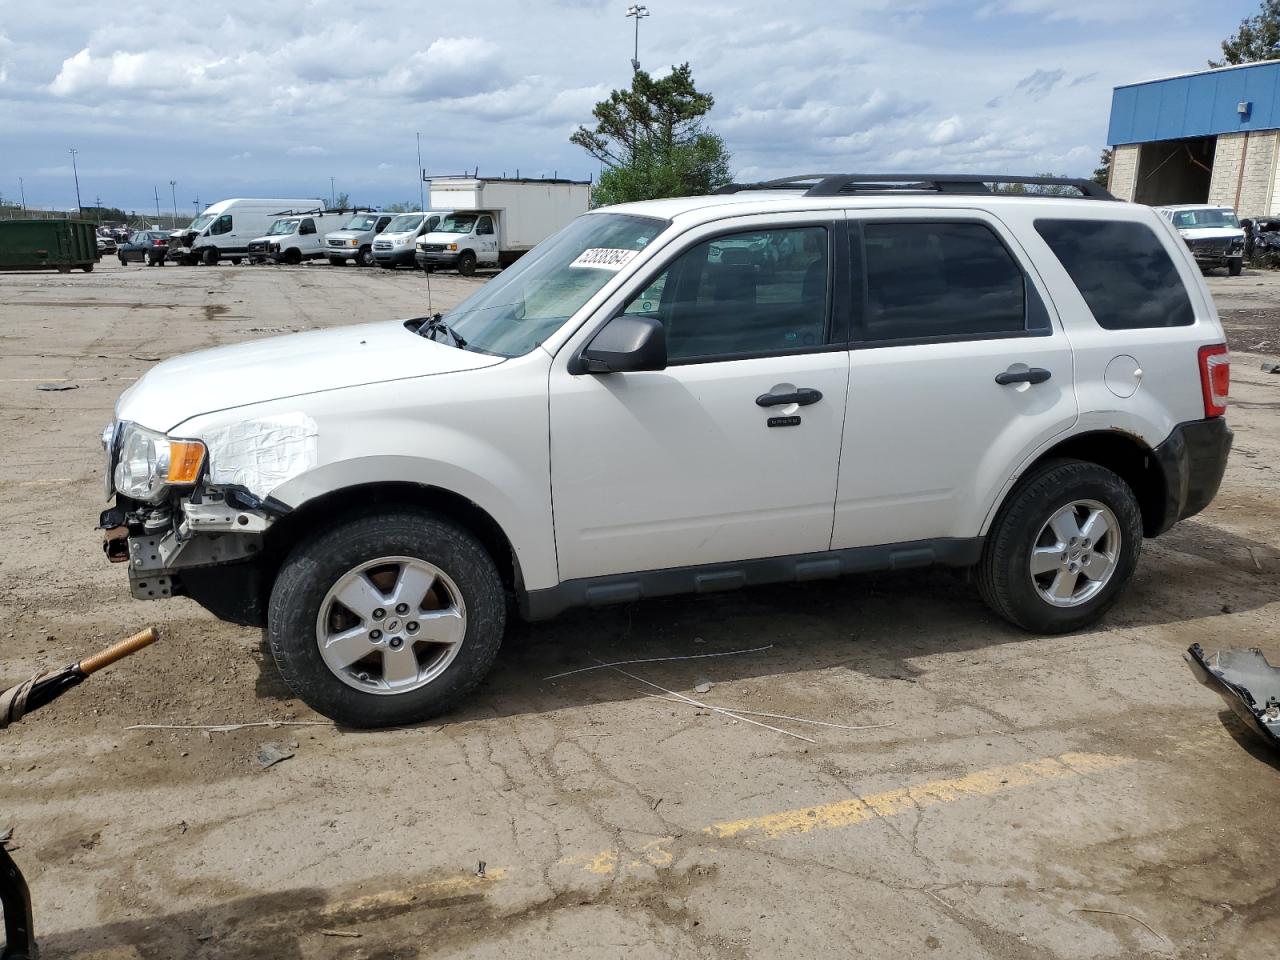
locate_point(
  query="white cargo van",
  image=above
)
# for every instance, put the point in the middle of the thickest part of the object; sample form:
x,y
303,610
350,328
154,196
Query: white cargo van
x,y
355,240
293,239
495,220
225,228
395,245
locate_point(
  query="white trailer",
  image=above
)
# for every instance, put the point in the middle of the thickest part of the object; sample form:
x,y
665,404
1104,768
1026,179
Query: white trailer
x,y
496,220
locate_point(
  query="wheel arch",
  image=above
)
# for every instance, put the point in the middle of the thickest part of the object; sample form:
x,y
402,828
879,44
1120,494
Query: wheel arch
x,y
344,502
1123,453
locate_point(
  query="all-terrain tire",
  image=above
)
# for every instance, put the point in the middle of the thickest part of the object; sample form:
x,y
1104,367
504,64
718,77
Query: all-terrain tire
x,y
1004,577
316,564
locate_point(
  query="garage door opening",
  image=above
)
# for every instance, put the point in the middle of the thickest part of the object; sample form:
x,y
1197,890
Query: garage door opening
x,y
1175,171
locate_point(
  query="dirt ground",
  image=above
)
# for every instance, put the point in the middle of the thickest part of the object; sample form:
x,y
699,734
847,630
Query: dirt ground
x,y
1010,796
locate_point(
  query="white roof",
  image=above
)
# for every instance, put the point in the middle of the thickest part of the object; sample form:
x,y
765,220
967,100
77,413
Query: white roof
x,y
699,209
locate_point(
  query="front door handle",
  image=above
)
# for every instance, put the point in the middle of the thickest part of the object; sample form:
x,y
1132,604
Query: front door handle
x,y
803,396
1033,375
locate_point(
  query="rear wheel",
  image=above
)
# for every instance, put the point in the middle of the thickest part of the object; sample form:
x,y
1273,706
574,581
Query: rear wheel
x,y
123,261
466,263
386,619
87,268
1062,548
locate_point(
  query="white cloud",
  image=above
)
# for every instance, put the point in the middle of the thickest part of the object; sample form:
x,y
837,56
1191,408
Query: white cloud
x,y
307,150
946,132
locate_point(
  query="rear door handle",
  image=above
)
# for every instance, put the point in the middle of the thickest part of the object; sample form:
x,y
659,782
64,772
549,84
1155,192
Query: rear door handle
x,y
1033,375
803,396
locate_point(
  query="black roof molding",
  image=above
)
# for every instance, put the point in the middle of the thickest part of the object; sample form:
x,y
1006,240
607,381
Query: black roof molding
x,y
836,184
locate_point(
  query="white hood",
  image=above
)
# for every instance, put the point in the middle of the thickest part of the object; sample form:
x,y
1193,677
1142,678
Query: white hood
x,y
235,376
1210,233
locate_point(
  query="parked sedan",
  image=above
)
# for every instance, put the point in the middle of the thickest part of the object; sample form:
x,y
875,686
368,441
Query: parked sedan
x,y
148,245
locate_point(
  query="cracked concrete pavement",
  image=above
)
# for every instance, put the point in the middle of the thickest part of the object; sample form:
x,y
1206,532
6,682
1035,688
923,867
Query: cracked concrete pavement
x,y
1065,797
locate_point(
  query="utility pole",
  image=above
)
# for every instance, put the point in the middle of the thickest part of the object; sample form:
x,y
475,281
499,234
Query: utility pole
x,y
422,202
73,151
97,206
173,189
22,189
638,11
156,188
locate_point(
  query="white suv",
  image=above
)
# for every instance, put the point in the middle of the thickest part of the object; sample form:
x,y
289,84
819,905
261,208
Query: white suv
x,y
788,381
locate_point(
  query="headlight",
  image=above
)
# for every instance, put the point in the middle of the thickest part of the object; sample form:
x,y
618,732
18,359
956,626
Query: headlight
x,y
453,246
402,241
150,462
354,243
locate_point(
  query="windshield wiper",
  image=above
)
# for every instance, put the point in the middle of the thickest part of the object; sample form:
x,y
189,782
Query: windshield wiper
x,y
435,324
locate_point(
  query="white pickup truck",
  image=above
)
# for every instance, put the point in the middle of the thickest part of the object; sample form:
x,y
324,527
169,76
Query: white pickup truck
x,y
495,221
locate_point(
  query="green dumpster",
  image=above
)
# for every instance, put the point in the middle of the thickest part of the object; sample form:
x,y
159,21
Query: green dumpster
x,y
48,245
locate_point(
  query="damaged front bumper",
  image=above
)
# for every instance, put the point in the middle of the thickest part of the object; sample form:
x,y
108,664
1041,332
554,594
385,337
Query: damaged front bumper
x,y
203,547
1247,682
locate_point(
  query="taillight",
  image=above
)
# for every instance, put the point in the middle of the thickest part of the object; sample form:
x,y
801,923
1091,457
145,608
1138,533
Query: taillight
x,y
1215,378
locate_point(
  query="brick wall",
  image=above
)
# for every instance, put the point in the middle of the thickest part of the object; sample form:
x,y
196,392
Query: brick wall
x,y
1124,171
1251,192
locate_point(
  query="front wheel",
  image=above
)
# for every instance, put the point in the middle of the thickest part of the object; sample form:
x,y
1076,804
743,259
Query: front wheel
x,y
336,261
466,263
123,261
1062,548
386,619
210,256
1235,266
365,257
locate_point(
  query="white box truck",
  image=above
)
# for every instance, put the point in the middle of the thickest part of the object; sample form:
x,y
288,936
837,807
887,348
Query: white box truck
x,y
496,220
224,230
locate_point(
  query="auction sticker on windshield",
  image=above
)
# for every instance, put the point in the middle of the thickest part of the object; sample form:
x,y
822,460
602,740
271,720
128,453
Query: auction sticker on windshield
x,y
604,258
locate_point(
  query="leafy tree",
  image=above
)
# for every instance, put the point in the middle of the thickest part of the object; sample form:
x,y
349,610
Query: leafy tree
x,y
653,141
1258,38
1039,189
342,201
404,206
1102,176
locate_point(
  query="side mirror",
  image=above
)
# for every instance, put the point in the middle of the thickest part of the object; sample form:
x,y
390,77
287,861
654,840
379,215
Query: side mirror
x,y
627,344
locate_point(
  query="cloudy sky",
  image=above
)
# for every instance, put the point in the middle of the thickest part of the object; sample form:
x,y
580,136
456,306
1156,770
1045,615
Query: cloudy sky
x,y
273,99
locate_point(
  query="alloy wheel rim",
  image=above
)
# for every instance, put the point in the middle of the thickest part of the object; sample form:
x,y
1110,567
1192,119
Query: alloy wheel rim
x,y
391,625
1075,554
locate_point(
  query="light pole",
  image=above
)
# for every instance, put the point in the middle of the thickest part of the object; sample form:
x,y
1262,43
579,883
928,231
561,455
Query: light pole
x,y
173,190
156,188
73,151
637,10
421,173
22,189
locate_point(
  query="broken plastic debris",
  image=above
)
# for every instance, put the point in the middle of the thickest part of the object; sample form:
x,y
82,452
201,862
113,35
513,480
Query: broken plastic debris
x,y
1247,682
269,754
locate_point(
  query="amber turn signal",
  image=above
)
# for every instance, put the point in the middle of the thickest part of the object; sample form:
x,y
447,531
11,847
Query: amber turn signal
x,y
185,459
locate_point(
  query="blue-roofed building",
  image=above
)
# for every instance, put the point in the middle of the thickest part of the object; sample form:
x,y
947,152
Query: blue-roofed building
x,y
1207,137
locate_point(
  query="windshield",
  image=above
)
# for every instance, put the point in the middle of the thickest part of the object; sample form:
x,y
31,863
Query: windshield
x,y
202,221
527,302
282,227
457,223
362,222
1190,219
405,223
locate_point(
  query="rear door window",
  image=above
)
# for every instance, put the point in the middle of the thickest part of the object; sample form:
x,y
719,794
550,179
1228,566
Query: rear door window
x,y
928,281
1122,270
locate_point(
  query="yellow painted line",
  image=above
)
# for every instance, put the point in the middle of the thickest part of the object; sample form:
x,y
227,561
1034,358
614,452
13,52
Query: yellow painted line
x,y
983,783
413,897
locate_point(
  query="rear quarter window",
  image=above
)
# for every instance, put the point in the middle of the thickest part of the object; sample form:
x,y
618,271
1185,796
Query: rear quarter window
x,y
1122,270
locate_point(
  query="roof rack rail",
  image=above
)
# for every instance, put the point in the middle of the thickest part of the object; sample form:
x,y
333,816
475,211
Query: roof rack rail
x,y
835,184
